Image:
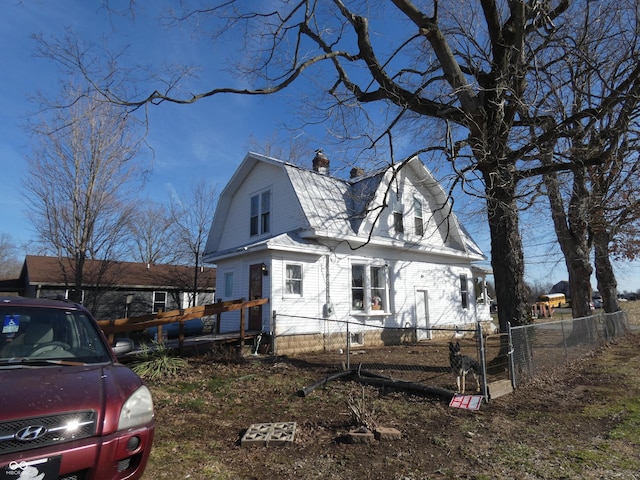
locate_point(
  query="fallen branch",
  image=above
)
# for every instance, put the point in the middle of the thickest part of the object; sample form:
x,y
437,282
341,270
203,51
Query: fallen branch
x,y
405,386
307,390
371,378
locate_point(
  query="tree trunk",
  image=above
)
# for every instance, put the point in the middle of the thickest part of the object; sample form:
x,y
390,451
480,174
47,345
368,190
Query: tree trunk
x,y
78,273
572,234
507,257
607,283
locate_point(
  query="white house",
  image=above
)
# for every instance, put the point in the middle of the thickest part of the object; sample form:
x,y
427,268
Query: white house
x,y
372,255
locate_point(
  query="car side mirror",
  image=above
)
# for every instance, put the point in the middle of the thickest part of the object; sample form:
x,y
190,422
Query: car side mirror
x,y
123,346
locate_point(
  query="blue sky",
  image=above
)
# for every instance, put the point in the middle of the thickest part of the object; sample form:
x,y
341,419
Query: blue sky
x,y
207,139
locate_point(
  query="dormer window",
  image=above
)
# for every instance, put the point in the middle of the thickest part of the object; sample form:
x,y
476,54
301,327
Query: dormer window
x,y
260,222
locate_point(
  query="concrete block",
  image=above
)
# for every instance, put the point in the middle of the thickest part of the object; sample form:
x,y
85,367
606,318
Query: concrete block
x,y
265,434
386,433
360,436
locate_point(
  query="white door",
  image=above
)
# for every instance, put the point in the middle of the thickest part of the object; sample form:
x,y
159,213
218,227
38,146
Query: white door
x,y
422,315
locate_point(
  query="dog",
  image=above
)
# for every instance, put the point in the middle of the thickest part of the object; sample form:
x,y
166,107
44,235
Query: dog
x,y
461,365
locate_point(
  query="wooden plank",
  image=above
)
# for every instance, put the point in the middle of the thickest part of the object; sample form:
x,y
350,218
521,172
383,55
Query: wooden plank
x,y
162,318
499,388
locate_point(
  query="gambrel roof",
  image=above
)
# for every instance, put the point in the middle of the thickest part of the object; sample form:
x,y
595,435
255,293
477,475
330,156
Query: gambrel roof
x,y
343,210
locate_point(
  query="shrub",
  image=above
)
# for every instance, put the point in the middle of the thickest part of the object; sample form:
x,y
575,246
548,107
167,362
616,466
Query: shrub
x,y
157,361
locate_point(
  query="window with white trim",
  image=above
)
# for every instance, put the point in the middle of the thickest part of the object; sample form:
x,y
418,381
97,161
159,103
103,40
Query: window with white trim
x,y
68,293
369,288
418,222
260,219
293,279
159,302
464,291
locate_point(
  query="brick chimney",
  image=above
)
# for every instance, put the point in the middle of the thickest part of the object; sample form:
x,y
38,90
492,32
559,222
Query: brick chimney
x,y
321,163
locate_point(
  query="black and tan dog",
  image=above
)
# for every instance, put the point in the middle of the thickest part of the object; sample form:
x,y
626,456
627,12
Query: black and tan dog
x,y
461,365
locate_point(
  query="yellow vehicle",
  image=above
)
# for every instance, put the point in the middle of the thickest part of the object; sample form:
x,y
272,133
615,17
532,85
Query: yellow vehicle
x,y
555,300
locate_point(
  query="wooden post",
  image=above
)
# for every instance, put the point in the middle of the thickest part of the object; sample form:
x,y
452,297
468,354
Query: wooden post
x,y
180,336
242,310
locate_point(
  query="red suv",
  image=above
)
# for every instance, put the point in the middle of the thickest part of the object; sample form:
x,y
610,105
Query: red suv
x,y
68,409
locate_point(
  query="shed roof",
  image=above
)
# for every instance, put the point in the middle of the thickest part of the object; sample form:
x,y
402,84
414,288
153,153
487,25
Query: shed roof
x,y
44,270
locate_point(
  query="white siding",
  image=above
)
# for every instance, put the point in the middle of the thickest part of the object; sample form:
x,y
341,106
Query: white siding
x,y
432,213
413,262
303,314
286,213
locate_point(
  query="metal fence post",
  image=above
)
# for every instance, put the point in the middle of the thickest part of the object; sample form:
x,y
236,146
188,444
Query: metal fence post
x,y
512,366
274,351
348,347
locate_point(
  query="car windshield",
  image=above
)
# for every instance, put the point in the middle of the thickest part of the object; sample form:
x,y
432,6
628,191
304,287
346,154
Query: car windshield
x,y
42,334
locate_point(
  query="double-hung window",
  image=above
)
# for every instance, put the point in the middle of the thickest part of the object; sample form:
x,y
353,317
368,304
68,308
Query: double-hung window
x,y
260,221
159,302
418,223
369,291
293,279
397,211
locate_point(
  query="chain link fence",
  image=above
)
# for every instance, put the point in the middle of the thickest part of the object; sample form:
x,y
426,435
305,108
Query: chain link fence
x,y
407,353
539,348
412,354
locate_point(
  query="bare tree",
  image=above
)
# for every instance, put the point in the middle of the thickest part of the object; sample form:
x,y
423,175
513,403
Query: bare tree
x,y
151,241
80,179
615,216
191,216
466,76
609,137
9,263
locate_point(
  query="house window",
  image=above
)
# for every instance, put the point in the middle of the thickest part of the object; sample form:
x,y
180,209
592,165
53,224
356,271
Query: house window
x,y
159,302
464,291
69,293
356,339
398,217
378,288
260,222
293,280
357,287
369,291
228,284
418,224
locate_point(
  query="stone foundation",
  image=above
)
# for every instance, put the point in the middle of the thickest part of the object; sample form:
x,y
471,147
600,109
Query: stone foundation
x,y
334,342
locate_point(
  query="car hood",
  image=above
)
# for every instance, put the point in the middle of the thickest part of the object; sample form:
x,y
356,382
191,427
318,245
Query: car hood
x,y
38,391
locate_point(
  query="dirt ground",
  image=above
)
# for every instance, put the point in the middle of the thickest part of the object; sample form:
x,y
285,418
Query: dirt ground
x,y
580,422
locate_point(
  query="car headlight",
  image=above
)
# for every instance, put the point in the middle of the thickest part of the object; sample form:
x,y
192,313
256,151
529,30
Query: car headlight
x,y
137,410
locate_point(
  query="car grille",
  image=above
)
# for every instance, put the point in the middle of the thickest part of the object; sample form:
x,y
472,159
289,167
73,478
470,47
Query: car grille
x,y
35,432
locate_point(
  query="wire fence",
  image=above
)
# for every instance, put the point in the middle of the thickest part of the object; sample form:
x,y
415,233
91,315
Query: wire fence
x,y
421,355
407,353
539,348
